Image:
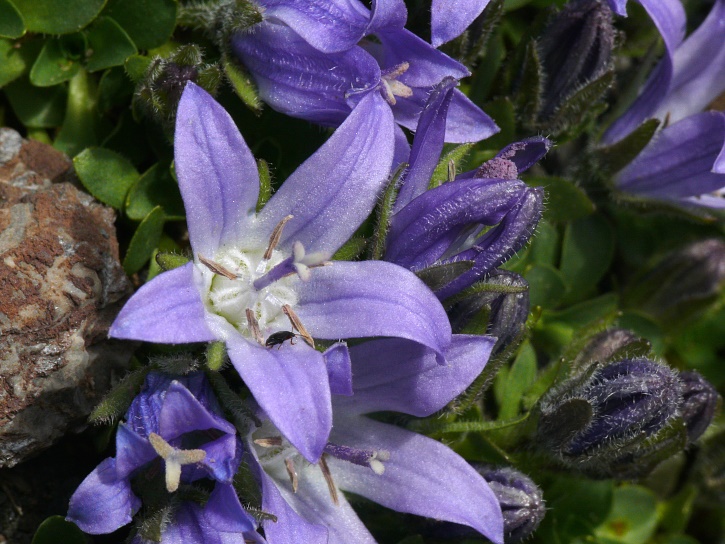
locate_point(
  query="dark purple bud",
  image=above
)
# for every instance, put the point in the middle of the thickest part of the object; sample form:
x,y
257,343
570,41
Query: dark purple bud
x,y
576,49
612,344
700,403
504,299
620,403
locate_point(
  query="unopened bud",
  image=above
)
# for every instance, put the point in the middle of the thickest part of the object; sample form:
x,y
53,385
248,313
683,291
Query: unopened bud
x,y
700,403
611,345
576,49
599,418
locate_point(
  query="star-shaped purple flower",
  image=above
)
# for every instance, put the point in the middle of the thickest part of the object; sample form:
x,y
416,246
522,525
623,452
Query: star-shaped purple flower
x,y
392,466
316,60
258,274
177,424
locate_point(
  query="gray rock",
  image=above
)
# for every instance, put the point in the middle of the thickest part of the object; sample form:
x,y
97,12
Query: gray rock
x,y
61,285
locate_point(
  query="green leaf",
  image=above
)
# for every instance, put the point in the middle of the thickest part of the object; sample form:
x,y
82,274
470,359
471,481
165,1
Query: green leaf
x,y
155,187
432,426
643,325
106,175
633,518
618,155
79,125
242,85
587,251
544,248
502,111
578,106
169,261
546,286
111,46
52,67
48,17
456,155
546,378
149,23
37,107
56,529
136,66
16,57
564,200
437,276
520,377
11,22
144,241
384,213
265,184
114,90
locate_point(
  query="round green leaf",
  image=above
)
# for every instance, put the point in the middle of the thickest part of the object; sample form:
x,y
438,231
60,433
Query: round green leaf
x,y
11,22
16,60
546,286
155,187
52,17
633,518
52,67
111,46
149,23
106,175
144,241
56,529
37,107
565,201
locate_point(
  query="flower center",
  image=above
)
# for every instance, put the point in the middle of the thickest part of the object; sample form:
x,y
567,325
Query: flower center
x,y
391,87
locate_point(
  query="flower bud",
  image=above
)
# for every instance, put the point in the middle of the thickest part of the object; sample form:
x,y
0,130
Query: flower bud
x,y
576,50
610,345
600,418
700,404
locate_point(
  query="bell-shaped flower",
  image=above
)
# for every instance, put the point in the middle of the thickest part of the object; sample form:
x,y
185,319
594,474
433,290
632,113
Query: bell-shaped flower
x,y
392,466
317,62
450,18
452,221
176,426
260,278
683,164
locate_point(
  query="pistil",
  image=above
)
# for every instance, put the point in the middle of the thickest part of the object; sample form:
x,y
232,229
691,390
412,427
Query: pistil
x,y
174,459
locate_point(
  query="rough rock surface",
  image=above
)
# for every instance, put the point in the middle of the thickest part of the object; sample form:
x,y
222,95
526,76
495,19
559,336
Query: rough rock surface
x,y
61,285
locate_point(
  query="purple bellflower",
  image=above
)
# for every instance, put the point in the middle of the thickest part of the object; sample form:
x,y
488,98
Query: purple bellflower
x,y
394,467
449,223
256,275
450,18
317,60
177,422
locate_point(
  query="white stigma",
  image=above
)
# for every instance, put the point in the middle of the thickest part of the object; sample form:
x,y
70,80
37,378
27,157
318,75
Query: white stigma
x,y
174,459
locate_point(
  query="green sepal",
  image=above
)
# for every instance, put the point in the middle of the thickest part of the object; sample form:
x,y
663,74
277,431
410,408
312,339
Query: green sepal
x,y
110,44
351,250
216,355
136,66
573,113
618,155
169,261
234,405
106,175
52,66
242,85
440,275
384,213
144,241
116,402
441,173
11,22
265,184
530,85
437,427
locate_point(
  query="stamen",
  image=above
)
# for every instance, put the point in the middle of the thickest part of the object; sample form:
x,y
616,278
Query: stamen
x,y
217,268
392,87
396,71
270,442
451,170
294,480
174,459
364,458
275,237
330,482
253,325
297,324
302,262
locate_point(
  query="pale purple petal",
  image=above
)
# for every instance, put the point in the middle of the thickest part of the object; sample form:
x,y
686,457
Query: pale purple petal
x,y
402,148
527,152
387,14
618,6
291,386
222,458
450,18
217,173
699,68
182,413
401,376
679,161
132,451
428,143
466,122
422,477
372,298
669,18
103,502
327,25
166,310
334,190
224,512
339,369
300,81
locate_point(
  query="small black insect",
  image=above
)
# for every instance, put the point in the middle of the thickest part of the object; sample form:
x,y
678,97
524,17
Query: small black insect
x,y
279,338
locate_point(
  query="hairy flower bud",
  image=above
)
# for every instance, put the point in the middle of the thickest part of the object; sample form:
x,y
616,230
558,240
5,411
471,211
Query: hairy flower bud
x,y
576,50
599,419
610,345
700,404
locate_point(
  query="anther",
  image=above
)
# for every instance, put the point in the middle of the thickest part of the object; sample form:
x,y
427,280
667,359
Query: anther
x,y
275,237
364,458
217,268
174,459
270,442
392,87
330,482
451,170
253,325
297,324
302,262
292,473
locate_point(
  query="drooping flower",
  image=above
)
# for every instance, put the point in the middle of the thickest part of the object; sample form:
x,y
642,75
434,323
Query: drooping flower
x,y
397,468
255,275
317,60
174,424
450,222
